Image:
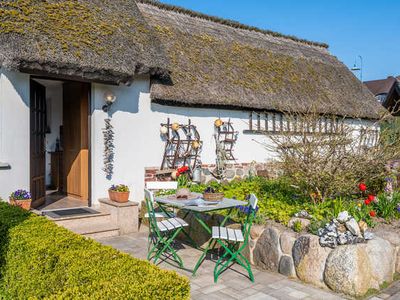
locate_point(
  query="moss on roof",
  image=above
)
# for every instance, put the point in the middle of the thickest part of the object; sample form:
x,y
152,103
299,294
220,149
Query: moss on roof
x,y
82,32
216,65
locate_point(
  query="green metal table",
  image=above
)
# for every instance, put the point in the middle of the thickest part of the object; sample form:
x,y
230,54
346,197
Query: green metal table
x,y
198,207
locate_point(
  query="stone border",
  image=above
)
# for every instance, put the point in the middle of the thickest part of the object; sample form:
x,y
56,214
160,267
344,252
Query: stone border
x,y
233,171
348,269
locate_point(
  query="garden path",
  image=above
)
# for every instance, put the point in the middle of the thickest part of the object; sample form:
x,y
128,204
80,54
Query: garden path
x,y
233,284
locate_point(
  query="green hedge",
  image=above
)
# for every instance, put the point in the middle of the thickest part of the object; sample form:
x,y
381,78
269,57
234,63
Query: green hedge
x,y
40,260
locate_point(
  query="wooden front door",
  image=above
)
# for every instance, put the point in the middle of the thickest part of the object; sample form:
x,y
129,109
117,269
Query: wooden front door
x,y
76,97
37,142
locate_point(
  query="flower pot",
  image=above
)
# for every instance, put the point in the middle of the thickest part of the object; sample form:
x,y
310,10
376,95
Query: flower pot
x,y
24,204
120,197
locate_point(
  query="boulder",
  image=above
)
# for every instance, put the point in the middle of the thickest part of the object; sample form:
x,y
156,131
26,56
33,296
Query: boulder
x,y
256,231
287,240
348,270
353,227
381,255
267,252
397,268
391,236
286,266
309,259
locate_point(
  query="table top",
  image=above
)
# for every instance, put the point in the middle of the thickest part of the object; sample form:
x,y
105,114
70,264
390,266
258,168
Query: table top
x,y
226,203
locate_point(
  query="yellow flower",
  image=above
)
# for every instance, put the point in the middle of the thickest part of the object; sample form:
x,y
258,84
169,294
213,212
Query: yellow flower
x,y
359,204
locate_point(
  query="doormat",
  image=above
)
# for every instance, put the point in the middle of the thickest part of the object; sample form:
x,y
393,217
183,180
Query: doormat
x,y
70,212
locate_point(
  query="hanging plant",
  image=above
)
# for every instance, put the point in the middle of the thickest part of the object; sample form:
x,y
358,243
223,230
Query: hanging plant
x,y
108,155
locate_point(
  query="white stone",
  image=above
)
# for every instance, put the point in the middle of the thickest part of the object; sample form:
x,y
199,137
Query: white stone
x,y
353,227
343,216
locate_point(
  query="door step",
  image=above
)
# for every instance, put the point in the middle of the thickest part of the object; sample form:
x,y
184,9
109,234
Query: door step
x,y
98,231
94,225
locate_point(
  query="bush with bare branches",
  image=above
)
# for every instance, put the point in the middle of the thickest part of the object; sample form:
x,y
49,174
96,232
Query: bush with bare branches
x,y
327,156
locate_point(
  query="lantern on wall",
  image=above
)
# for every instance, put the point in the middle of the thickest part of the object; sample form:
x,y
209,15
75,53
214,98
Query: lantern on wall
x,y
218,123
175,126
109,99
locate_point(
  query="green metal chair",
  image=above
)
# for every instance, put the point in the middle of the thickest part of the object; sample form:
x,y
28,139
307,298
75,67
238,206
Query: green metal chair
x,y
162,233
234,241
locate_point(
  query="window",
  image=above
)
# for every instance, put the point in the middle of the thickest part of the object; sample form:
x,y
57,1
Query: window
x,y
277,123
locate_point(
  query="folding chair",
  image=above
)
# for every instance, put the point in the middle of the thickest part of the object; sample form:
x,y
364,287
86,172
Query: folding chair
x,y
161,185
233,241
163,233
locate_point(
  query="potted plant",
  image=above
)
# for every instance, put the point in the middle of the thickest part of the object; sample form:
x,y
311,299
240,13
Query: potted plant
x,y
182,175
119,193
21,198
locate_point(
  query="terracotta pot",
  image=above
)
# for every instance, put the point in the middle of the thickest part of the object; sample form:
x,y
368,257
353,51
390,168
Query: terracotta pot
x,y
120,197
24,204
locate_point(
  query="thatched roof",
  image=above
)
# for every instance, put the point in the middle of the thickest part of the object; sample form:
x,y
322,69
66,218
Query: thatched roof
x,y
105,40
214,62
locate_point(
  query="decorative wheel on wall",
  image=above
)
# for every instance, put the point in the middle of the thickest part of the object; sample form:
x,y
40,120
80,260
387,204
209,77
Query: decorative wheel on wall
x,y
225,138
182,145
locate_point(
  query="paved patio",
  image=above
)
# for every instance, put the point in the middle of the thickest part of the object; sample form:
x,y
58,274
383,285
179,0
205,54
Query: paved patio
x,y
233,284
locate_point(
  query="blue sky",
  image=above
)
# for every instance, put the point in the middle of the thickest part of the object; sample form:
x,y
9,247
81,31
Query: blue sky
x,y
370,28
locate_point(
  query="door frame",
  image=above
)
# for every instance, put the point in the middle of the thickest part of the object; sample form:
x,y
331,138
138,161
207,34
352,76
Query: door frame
x,y
89,120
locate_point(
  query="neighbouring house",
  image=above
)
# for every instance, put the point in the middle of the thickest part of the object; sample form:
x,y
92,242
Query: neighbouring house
x,y
64,62
387,91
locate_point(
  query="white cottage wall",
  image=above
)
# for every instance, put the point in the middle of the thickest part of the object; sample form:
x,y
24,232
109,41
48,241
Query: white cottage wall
x,y
14,132
136,123
138,144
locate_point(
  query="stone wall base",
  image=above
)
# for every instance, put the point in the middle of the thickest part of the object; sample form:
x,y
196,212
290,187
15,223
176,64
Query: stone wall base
x,y
347,269
233,171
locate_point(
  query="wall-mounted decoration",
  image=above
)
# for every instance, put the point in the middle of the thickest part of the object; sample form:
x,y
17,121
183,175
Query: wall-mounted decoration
x,y
182,145
225,138
108,155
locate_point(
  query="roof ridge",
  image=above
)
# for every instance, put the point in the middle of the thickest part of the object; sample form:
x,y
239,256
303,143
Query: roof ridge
x,y
228,22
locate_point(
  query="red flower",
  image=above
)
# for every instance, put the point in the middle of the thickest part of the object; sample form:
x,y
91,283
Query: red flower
x,y
371,198
183,169
367,201
372,213
362,187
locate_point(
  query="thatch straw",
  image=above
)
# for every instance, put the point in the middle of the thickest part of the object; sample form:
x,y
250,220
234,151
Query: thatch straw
x,y
88,39
218,64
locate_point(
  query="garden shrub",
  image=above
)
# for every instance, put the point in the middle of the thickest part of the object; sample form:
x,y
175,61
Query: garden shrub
x,y
40,260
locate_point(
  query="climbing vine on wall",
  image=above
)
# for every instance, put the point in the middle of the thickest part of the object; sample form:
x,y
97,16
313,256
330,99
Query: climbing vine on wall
x,y
108,155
